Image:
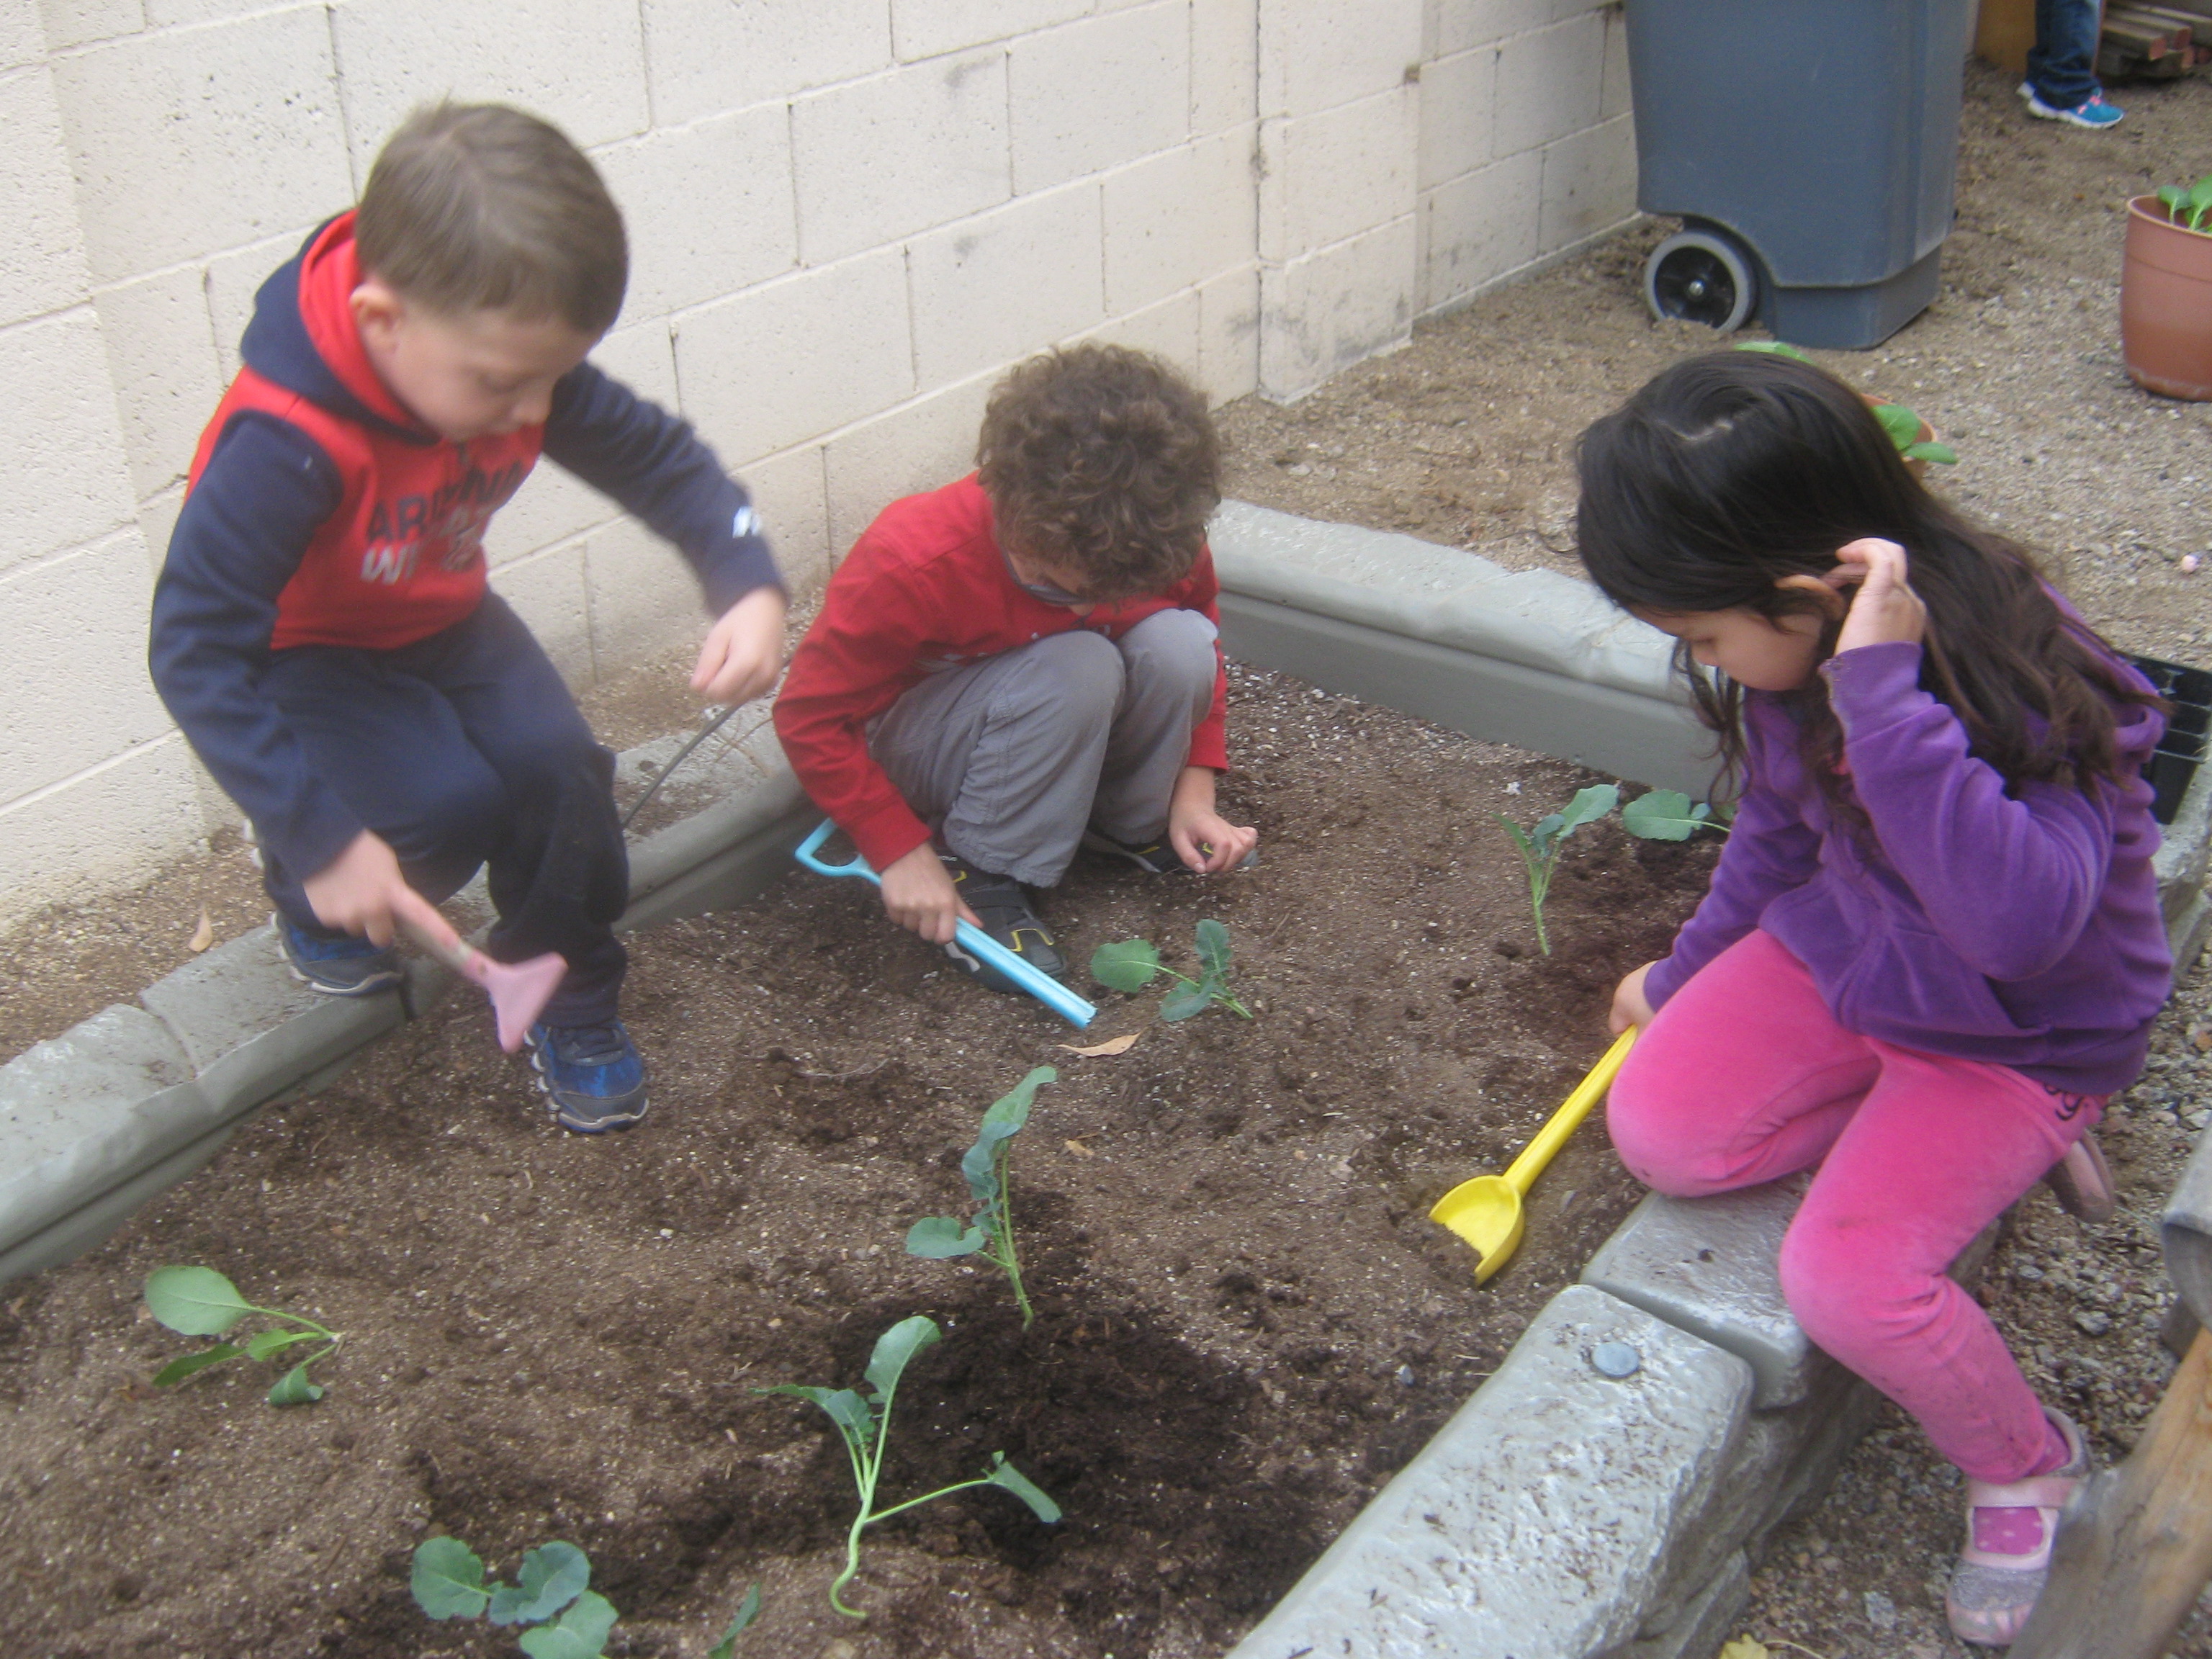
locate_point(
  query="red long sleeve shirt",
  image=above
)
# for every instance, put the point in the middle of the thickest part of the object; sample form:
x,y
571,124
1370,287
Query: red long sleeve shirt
x,y
926,588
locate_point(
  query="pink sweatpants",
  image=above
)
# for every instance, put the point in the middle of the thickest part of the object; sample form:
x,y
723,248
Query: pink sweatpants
x,y
1745,1077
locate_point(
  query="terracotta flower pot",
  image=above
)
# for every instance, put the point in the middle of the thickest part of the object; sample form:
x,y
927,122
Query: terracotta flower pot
x,y
2165,304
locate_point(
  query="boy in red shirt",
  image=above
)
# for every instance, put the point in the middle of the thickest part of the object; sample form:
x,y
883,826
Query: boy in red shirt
x,y
322,632
1025,661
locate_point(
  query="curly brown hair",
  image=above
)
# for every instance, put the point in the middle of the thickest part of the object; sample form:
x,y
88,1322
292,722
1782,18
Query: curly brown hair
x,y
1103,462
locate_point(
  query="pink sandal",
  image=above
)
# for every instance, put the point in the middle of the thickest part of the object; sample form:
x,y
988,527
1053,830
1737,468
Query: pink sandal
x,y
2009,1531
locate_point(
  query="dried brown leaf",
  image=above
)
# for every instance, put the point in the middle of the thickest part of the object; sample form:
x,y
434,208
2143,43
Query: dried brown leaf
x,y
203,935
1120,1045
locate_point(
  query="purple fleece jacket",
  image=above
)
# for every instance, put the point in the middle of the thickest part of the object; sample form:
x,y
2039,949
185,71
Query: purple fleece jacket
x,y
2022,929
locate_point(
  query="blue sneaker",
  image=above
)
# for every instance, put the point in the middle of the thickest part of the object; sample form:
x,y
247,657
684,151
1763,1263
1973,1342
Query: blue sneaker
x,y
2095,112
338,964
592,1076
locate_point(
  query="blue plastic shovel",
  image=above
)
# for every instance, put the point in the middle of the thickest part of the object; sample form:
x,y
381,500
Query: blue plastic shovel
x,y
968,939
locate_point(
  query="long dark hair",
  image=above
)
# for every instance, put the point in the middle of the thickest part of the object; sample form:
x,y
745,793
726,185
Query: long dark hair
x,y
1732,470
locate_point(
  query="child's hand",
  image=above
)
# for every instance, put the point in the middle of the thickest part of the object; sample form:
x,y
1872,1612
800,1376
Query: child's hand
x,y
356,891
919,895
1629,1006
1204,840
743,652
1885,610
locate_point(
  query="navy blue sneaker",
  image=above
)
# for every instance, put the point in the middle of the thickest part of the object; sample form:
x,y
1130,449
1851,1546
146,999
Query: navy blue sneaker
x,y
1004,907
338,964
593,1075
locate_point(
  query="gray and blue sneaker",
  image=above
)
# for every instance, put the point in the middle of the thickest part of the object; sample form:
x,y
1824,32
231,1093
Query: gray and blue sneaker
x,y
592,1076
336,964
1003,905
1155,857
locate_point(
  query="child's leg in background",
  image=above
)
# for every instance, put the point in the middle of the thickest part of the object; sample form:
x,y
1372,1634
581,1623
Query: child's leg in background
x,y
1169,664
463,748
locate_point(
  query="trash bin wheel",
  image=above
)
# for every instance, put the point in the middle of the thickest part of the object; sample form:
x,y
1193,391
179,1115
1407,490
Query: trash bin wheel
x,y
1697,276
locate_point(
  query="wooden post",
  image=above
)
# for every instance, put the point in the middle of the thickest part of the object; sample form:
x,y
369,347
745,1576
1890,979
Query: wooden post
x,y
2136,1548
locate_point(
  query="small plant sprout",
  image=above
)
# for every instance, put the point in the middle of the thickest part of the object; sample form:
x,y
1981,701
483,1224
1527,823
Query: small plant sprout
x,y
551,1594
1902,424
1134,963
2190,206
991,1236
864,1423
1541,847
201,1301
1668,815
748,1610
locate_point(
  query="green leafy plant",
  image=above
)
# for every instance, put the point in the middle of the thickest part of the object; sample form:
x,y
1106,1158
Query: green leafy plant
x,y
551,1593
201,1301
990,1235
1134,963
864,1423
1902,424
748,1610
1668,815
1541,846
2189,206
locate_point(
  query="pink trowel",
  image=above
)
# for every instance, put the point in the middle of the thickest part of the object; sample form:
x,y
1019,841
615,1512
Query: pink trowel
x,y
518,990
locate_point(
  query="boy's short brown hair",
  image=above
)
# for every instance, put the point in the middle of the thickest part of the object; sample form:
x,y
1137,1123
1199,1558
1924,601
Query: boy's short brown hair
x,y
1103,461
479,207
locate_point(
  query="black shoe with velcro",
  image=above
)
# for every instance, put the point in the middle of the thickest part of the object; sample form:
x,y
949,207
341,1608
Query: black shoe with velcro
x,y
1004,907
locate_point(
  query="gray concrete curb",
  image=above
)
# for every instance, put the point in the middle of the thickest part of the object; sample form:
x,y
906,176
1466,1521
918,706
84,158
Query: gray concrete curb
x,y
1563,1513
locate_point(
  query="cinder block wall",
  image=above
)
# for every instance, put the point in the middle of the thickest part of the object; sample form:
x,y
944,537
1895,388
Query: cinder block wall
x,y
847,216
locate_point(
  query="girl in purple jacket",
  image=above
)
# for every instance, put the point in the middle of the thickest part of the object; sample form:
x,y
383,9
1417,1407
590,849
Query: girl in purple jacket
x,y
1932,948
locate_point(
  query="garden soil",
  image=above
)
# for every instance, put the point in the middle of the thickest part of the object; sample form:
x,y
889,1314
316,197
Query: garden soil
x,y
1245,1323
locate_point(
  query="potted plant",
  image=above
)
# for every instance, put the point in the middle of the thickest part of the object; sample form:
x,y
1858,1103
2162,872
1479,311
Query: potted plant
x,y
2165,292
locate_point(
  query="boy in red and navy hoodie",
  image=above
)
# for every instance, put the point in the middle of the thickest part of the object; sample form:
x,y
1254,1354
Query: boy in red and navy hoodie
x,y
1025,662
322,632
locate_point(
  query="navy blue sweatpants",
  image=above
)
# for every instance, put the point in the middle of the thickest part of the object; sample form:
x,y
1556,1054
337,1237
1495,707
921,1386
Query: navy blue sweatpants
x,y
465,749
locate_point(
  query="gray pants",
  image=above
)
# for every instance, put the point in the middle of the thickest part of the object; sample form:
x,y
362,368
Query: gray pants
x,y
1012,756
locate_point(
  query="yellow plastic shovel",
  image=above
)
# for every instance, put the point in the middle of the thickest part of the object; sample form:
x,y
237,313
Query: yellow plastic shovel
x,y
1485,1211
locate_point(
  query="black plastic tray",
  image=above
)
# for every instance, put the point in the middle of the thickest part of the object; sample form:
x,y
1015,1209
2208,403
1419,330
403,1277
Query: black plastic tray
x,y
2180,753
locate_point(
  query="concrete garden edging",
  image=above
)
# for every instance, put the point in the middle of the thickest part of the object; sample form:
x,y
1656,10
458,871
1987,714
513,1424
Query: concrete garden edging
x,y
1580,1506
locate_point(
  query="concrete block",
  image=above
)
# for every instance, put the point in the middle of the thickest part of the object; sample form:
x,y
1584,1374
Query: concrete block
x,y
790,494
708,57
1589,184
792,359
1317,54
1225,63
1702,1627
1095,95
1613,91
168,14
641,596
1549,81
145,804
157,518
722,857
1228,335
1461,24
22,33
1181,218
79,23
1458,99
547,592
194,140
2184,845
1329,309
1708,1264
880,159
1168,328
1329,177
233,278
78,691
491,50
1541,1518
1479,227
167,378
61,463
251,1030
42,264
708,209
924,28
925,443
1002,284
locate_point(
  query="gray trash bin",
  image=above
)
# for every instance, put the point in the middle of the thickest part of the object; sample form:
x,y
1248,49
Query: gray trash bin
x,y
1808,148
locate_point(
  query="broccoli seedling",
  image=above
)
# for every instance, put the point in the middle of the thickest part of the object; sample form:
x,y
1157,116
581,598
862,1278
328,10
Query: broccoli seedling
x,y
1902,424
2189,205
551,1593
864,1423
201,1301
748,1610
990,1235
1541,847
1668,815
1134,963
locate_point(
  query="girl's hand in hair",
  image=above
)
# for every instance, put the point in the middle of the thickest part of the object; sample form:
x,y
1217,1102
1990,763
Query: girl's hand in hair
x,y
1885,610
